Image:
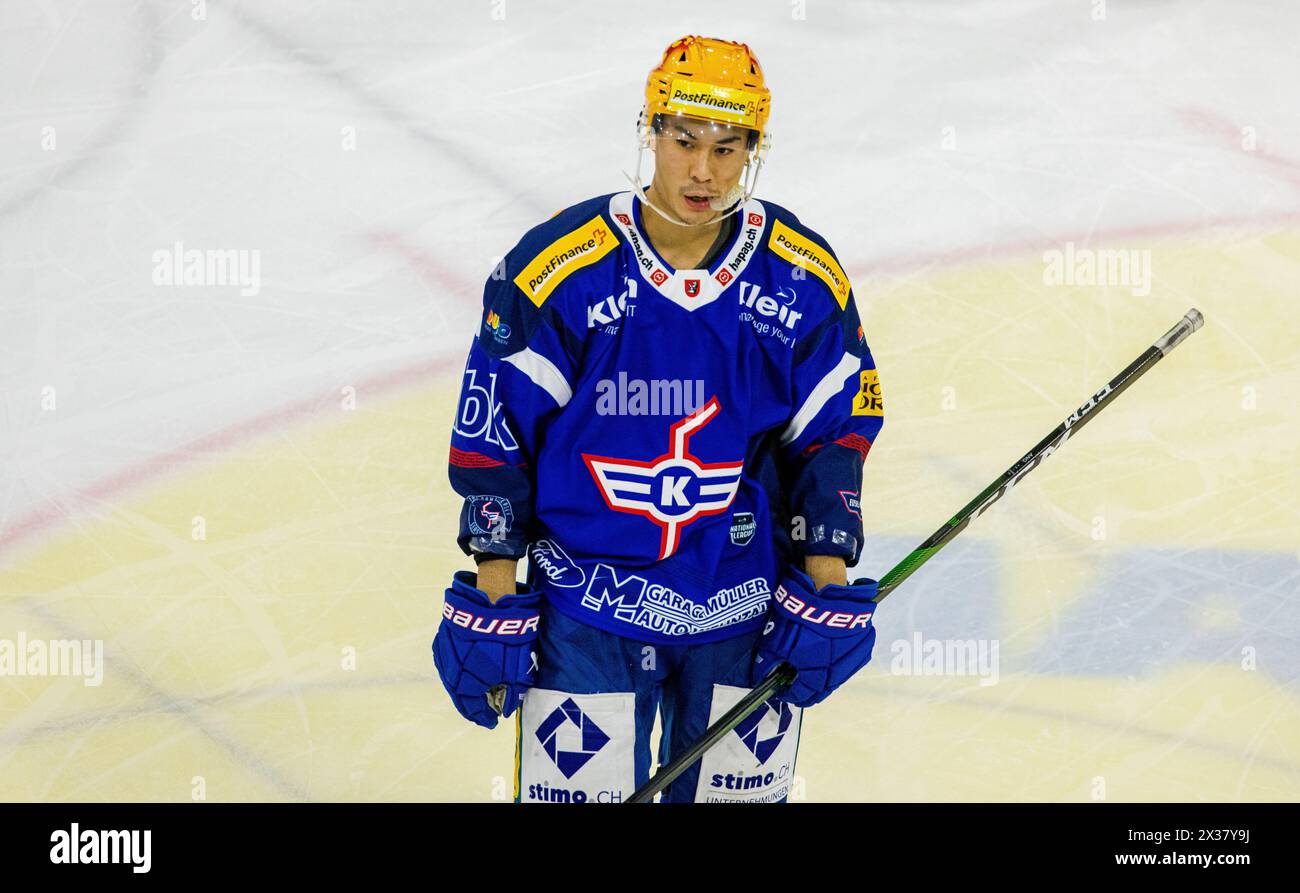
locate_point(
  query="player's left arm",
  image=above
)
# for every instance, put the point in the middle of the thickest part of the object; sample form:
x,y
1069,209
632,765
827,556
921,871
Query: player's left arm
x,y
838,414
818,623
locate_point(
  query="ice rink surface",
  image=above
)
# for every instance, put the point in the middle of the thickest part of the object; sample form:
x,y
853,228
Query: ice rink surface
x,y
242,491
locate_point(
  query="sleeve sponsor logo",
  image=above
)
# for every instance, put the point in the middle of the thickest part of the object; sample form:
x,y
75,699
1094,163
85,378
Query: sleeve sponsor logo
x,y
852,503
489,515
711,101
868,401
582,247
481,414
805,253
500,331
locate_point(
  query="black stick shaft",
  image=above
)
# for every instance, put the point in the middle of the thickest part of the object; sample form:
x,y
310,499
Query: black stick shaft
x,y
783,674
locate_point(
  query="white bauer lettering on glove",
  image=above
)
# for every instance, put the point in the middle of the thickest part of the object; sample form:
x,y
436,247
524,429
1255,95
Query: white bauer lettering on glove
x,y
826,635
480,645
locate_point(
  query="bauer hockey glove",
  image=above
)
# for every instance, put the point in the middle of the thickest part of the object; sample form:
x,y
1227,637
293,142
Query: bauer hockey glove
x,y
480,645
826,635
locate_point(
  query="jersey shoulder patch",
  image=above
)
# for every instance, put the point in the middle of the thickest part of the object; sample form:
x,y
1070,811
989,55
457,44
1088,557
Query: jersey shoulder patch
x,y
572,239
797,244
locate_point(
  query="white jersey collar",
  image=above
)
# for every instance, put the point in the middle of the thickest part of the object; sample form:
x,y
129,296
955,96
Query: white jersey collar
x,y
691,289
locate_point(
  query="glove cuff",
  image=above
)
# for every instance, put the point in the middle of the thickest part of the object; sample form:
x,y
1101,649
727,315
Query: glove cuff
x,y
511,620
860,591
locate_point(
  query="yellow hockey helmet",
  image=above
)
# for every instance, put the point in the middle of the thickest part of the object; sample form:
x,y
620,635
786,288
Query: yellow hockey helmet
x,y
713,80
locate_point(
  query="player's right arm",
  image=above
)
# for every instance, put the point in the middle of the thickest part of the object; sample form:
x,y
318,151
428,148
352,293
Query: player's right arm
x,y
517,378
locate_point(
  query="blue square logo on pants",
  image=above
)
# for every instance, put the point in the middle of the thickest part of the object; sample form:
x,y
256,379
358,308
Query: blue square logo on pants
x,y
591,739
755,763
755,731
576,748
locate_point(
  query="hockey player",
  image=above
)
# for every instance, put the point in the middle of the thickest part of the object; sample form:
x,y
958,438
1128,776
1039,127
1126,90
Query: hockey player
x,y
666,410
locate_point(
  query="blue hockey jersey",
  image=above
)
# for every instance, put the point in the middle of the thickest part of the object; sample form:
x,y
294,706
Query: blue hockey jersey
x,y
660,442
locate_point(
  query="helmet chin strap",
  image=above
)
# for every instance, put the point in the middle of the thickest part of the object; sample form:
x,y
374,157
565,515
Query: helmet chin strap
x,y
728,199
730,202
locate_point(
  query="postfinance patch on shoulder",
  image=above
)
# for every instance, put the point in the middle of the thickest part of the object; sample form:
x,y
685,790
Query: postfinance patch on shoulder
x,y
803,252
572,251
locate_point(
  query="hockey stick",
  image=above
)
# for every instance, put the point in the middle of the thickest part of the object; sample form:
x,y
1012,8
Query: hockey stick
x,y
783,674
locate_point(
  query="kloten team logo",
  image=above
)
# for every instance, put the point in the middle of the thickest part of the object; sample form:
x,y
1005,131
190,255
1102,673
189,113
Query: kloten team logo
x,y
674,489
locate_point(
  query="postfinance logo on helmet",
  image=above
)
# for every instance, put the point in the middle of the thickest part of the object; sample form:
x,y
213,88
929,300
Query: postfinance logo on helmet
x,y
718,82
710,79
713,102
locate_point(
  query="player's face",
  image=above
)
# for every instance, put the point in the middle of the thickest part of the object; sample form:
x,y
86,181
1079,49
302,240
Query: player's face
x,y
696,161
